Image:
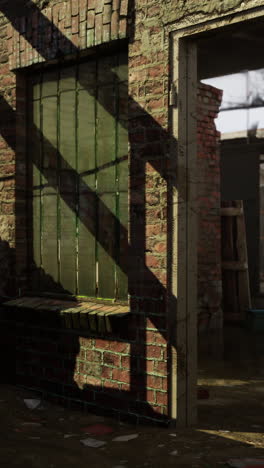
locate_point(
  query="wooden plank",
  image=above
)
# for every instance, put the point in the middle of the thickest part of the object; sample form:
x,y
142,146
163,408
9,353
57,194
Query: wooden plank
x,y
36,86
122,274
84,322
87,75
235,266
87,199
50,132
231,211
122,175
107,246
192,235
68,247
243,276
67,119
121,69
106,190
35,156
107,69
68,183
87,244
106,140
230,296
86,133
122,137
49,241
68,78
92,320
50,83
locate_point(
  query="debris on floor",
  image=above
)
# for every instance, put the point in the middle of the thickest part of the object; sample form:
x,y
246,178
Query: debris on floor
x,y
175,452
125,438
247,463
94,443
33,403
66,436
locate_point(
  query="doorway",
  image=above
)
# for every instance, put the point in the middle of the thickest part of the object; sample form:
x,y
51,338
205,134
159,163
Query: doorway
x,y
212,50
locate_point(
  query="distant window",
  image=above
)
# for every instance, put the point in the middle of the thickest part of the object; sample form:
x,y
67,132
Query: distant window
x,y
242,108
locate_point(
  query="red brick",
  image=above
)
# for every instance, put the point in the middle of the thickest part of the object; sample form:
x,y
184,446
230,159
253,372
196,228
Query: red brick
x,y
106,372
161,339
121,375
154,382
94,356
148,395
154,352
98,28
111,359
122,27
116,4
93,381
114,25
90,19
161,367
83,10
162,398
148,337
125,362
102,344
110,384
124,8
107,13
75,24
74,7
119,347
99,5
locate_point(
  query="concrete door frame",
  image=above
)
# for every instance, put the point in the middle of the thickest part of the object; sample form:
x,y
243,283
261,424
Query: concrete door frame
x,y
183,92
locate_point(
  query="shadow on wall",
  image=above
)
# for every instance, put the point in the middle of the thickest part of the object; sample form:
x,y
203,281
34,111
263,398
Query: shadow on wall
x,y
72,365
7,269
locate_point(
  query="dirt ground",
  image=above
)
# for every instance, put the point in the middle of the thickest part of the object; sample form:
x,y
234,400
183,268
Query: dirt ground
x,y
230,425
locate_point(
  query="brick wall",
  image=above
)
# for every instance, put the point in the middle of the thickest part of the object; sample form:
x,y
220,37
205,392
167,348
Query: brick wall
x,y
7,168
126,375
64,28
98,373
209,203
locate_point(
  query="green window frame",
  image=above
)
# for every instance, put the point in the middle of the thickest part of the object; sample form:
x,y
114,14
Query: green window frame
x,y
78,170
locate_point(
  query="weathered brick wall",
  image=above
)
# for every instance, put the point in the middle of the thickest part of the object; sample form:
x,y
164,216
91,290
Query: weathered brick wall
x,y
65,28
129,375
7,168
107,374
209,203
132,370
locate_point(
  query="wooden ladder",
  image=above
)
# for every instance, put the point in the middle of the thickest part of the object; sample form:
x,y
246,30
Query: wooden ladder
x,y
235,277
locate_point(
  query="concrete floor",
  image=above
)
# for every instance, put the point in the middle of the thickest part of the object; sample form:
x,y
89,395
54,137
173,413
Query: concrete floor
x,y
231,423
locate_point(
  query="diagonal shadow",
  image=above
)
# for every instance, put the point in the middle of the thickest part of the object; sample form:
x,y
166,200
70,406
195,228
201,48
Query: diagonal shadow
x,y
141,280
144,285
26,8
